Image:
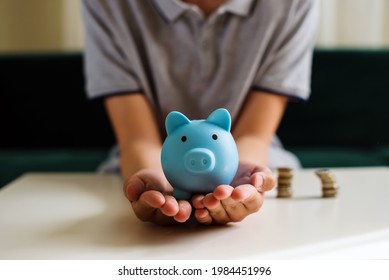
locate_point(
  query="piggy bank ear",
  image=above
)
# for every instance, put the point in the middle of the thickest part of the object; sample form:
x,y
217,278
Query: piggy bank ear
x,y
175,120
220,117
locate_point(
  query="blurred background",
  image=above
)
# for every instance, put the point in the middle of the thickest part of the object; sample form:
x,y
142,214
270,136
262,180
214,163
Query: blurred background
x,y
55,25
48,125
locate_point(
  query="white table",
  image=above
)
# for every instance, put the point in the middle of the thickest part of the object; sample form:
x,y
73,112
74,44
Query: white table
x,y
85,216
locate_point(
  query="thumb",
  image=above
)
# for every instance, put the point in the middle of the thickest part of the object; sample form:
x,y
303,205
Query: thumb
x,y
133,188
262,181
146,180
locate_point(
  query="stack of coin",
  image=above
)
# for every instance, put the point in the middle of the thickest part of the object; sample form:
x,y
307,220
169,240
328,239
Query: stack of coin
x,y
284,182
329,185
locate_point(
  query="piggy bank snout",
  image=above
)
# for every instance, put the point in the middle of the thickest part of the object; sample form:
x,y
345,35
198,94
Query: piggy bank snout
x,y
199,160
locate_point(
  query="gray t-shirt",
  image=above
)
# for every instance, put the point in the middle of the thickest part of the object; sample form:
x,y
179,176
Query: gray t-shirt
x,y
182,61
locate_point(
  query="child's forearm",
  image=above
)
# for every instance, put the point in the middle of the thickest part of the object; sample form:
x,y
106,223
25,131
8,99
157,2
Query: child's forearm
x,y
138,156
136,132
252,149
257,124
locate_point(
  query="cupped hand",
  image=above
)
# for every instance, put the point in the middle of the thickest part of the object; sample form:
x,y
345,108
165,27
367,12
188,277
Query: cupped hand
x,y
234,203
151,198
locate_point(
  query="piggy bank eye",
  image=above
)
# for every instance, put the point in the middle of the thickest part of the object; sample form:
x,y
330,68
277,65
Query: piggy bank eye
x,y
183,138
214,137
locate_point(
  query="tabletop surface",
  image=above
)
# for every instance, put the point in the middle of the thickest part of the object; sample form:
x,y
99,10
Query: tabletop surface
x,y
85,216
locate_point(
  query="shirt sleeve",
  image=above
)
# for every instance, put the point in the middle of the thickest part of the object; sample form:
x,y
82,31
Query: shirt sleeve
x,y
107,70
286,70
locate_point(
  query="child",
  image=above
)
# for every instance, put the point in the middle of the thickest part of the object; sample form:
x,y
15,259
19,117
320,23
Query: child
x,y
147,58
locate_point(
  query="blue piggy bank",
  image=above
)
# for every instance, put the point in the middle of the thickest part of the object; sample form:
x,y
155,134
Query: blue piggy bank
x,y
198,155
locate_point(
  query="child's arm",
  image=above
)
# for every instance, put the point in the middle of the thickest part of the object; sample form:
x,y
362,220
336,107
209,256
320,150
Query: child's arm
x,y
257,125
140,145
253,132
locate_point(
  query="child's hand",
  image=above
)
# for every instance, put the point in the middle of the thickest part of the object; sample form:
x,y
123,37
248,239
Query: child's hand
x,y
151,199
228,204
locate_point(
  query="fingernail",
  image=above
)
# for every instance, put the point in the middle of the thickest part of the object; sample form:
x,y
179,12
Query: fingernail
x,y
128,192
258,185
